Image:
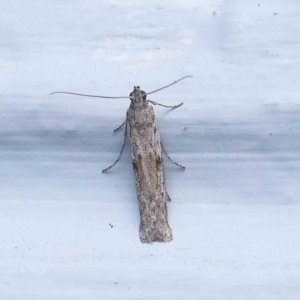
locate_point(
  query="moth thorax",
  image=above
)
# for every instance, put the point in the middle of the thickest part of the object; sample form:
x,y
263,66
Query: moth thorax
x,y
137,97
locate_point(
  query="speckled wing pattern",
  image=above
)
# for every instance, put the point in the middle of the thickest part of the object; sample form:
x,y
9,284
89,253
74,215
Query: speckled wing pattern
x,y
149,175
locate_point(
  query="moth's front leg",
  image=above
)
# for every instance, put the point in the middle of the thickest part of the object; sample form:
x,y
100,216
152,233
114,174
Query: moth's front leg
x,y
166,106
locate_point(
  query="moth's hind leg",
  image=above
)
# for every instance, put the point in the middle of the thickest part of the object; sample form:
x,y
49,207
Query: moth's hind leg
x,y
168,197
170,159
120,155
119,127
166,106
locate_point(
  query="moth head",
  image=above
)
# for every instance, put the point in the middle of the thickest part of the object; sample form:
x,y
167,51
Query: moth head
x,y
137,97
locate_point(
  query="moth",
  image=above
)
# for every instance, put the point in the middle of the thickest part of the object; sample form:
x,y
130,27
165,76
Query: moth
x,y
147,161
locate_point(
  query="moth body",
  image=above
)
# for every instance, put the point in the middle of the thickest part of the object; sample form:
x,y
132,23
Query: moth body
x,y
147,161
149,170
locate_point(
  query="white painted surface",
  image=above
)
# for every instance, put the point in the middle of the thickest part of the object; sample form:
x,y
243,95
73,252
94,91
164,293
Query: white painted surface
x,y
234,211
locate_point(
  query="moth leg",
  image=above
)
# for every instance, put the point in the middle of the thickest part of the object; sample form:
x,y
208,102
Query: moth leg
x,y
120,155
116,129
172,106
170,159
168,197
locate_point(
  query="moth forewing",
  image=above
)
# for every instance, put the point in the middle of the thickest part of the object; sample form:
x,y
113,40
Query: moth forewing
x,y
149,174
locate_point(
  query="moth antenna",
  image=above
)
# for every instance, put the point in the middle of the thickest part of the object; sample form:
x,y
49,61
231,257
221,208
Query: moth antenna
x,y
164,87
85,95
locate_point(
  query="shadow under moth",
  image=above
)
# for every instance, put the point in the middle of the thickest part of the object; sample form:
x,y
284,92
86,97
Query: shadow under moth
x,y
147,161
